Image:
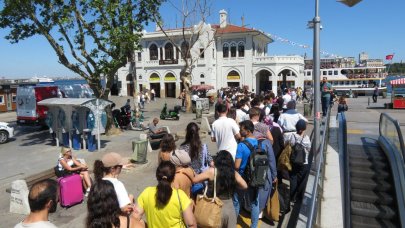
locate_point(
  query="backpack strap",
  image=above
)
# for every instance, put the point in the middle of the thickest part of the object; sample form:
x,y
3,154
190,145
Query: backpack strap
x,y
249,145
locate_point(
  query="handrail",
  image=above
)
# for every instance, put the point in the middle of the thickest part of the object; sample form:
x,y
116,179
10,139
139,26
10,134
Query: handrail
x,y
398,131
344,170
395,157
319,171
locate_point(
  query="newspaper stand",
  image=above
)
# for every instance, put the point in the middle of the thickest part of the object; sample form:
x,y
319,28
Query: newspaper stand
x,y
398,93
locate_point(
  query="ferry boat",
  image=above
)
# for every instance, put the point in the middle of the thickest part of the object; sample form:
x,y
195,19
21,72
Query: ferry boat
x,y
42,80
346,75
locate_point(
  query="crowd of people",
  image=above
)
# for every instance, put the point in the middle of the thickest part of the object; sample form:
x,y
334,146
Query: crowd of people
x,y
246,125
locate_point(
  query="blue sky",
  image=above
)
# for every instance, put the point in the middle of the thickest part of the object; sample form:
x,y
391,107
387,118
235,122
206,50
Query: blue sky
x,y
376,27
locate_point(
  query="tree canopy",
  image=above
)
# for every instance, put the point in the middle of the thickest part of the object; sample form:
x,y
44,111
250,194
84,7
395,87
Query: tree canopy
x,y
93,38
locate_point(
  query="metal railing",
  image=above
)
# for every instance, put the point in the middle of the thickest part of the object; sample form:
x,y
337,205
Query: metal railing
x,y
319,164
344,170
392,143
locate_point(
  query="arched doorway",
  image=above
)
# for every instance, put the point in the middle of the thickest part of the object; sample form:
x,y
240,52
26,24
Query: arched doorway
x,y
282,81
130,85
263,81
233,78
170,85
154,81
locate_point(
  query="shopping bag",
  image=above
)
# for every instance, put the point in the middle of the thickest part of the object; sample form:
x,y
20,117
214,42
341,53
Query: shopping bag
x,y
208,211
273,206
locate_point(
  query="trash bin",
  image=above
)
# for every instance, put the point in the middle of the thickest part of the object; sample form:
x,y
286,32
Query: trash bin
x,y
307,109
140,149
384,94
198,113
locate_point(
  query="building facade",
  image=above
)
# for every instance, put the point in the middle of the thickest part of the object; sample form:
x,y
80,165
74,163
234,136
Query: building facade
x,y
226,56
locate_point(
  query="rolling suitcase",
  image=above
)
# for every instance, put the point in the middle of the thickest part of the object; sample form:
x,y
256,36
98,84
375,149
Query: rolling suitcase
x,y
71,190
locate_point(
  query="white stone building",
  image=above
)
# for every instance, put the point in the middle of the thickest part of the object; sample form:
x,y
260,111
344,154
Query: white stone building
x,y
228,55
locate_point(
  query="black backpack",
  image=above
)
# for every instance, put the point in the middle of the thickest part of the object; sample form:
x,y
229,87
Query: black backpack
x,y
255,173
298,153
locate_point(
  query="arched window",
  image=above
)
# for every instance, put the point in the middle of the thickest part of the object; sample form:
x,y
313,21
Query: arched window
x,y
225,51
201,75
169,51
129,77
233,50
153,52
185,50
241,50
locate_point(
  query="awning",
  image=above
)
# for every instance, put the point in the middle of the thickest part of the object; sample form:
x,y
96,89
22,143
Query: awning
x,y
202,87
400,81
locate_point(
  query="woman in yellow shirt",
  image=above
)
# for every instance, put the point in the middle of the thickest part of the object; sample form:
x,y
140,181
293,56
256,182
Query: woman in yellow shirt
x,y
163,205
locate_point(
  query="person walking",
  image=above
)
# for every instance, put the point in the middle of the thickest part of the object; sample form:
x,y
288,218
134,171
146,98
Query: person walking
x,y
326,89
43,200
241,161
299,171
152,94
375,94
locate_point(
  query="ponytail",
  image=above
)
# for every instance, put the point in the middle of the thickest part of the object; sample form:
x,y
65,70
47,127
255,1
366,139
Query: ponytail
x,y
165,176
99,170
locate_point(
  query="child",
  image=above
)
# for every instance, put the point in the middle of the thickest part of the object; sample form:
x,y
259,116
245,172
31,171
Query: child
x,y
342,106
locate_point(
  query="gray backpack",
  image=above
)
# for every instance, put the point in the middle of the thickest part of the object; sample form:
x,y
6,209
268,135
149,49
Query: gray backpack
x,y
255,173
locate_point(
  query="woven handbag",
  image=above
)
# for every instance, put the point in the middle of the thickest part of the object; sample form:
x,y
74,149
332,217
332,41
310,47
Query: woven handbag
x,y
208,211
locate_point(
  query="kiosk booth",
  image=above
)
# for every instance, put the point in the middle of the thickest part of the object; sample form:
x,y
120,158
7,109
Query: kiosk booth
x,y
398,93
73,119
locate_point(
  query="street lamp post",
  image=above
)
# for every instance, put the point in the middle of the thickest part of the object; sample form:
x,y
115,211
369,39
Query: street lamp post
x,y
316,74
316,23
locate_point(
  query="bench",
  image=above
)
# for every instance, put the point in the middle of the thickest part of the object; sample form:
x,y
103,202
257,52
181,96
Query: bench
x,y
46,174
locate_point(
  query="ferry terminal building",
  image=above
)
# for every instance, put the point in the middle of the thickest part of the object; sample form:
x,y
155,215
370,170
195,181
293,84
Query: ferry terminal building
x,y
237,56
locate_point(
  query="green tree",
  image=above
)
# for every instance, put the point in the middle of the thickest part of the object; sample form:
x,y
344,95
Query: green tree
x,y
93,38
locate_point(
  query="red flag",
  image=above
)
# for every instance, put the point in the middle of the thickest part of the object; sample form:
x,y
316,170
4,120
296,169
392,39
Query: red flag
x,y
389,57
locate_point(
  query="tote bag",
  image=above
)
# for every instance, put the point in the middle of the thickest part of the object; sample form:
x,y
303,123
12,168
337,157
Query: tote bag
x,y
208,211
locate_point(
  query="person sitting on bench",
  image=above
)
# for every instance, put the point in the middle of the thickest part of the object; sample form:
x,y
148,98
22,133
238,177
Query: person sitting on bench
x,y
155,131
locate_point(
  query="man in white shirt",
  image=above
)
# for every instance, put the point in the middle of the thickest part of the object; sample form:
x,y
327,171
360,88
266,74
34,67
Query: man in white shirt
x,y
286,99
43,199
289,118
224,131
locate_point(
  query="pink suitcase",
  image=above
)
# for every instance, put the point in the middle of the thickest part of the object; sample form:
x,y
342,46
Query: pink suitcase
x,y
71,190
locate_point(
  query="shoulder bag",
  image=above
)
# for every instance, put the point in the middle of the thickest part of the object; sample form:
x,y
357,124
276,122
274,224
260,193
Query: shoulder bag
x,y
208,211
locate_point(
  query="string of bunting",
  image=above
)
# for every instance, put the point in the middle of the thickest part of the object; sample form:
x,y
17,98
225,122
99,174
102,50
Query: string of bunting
x,y
283,40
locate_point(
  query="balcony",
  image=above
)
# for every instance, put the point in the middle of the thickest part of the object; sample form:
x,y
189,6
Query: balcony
x,y
278,60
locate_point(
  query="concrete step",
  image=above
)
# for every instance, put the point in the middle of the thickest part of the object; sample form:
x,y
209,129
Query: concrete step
x,y
372,210
375,197
367,222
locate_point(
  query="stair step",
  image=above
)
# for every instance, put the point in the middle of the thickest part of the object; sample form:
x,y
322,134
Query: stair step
x,y
371,197
367,173
369,184
370,157
368,164
371,210
367,222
